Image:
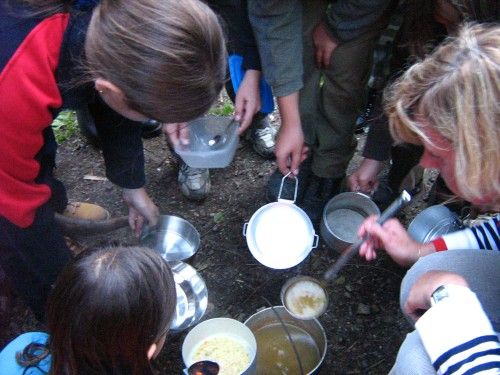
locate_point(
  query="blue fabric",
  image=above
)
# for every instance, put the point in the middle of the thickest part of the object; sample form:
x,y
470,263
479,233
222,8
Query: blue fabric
x,y
8,364
85,4
237,72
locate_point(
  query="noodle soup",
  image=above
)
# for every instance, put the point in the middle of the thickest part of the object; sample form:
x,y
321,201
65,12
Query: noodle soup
x,y
229,353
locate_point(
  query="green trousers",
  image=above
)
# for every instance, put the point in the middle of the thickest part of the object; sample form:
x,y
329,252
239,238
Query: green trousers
x,y
332,98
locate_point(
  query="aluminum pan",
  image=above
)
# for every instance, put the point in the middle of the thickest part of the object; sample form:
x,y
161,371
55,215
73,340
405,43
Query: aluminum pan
x,y
192,296
280,235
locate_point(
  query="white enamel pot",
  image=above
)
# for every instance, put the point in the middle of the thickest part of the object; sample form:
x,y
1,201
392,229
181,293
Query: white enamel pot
x,y
280,235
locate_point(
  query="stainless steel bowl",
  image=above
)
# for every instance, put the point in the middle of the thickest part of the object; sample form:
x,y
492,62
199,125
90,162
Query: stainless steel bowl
x,y
432,222
192,296
267,317
342,217
173,237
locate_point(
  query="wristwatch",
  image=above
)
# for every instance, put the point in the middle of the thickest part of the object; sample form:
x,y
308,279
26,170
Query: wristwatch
x,y
447,290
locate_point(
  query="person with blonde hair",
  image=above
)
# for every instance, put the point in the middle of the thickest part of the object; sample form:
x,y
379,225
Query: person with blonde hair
x,y
450,104
128,60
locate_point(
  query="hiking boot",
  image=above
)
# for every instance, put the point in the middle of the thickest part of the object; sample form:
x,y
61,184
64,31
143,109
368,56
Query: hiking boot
x,y
288,191
194,182
319,191
262,135
86,211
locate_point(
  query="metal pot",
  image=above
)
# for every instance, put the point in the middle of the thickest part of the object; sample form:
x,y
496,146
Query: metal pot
x,y
433,222
173,237
268,317
280,235
342,217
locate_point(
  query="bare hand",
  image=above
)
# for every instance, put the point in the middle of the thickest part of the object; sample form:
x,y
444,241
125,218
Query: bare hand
x,y
290,149
365,178
324,45
141,208
420,294
247,102
177,133
392,237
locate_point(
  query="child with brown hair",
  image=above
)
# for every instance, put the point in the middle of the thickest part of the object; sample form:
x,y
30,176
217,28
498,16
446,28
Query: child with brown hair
x,y
129,60
109,313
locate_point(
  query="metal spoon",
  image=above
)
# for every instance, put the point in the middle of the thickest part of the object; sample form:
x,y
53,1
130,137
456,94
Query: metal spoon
x,y
332,272
221,137
203,368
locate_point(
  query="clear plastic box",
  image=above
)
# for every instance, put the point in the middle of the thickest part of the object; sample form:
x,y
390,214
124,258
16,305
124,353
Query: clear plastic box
x,y
212,142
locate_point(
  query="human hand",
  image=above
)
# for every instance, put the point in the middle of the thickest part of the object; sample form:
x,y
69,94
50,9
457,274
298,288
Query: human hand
x,y
365,178
392,237
290,149
247,102
419,298
324,45
141,208
177,133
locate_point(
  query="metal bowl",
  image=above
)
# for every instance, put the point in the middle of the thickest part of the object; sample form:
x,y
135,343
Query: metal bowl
x,y
432,222
192,296
342,217
268,317
173,237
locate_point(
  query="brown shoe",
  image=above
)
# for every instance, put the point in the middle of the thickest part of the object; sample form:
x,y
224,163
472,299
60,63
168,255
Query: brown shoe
x,y
87,211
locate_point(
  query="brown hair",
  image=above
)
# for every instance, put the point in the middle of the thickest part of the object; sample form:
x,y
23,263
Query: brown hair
x,y
107,308
457,90
168,56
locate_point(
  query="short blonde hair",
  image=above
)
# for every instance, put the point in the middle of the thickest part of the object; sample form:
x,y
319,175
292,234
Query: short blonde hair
x,y
457,90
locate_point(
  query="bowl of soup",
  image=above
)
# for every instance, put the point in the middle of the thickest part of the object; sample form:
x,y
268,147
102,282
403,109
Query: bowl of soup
x,y
225,341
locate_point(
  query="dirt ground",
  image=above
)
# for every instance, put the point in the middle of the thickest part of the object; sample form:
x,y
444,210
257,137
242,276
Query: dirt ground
x,y
364,325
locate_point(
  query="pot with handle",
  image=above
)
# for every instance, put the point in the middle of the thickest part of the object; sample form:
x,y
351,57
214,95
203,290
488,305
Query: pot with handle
x,y
280,235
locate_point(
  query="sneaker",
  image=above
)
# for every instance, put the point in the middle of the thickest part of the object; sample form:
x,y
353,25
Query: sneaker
x,y
318,192
263,136
194,182
86,211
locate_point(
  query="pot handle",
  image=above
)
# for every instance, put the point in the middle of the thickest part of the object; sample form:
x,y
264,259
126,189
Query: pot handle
x,y
315,242
245,226
296,187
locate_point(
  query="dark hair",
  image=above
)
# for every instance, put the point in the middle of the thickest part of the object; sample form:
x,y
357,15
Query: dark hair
x,y
107,308
419,25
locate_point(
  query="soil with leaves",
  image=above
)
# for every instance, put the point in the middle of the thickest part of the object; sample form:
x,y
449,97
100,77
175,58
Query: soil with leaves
x,y
363,324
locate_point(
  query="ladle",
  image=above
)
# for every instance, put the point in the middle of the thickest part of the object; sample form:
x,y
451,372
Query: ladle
x,y
332,272
203,368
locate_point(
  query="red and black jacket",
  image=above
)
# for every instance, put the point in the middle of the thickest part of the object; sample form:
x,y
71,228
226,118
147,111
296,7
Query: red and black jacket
x,y
40,67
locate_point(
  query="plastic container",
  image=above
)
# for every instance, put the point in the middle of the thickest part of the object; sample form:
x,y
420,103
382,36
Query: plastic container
x,y
212,142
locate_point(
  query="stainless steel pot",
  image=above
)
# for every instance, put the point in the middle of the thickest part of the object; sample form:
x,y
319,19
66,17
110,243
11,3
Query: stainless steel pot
x,y
432,222
280,235
267,317
342,217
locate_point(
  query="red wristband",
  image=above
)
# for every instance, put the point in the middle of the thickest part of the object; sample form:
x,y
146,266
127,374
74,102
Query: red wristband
x,y
439,244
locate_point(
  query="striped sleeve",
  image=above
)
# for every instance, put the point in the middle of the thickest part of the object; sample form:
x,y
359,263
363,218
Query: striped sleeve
x,y
485,236
459,338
